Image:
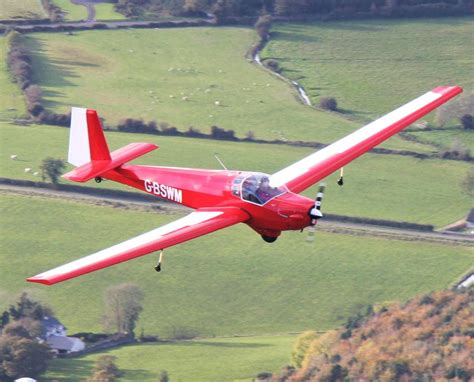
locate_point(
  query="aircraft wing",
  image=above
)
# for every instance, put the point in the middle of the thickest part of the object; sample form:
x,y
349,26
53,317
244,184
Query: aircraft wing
x,y
198,223
317,166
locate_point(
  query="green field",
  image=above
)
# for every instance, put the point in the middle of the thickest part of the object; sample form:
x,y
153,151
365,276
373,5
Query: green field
x,y
372,66
133,73
75,12
377,186
21,10
227,283
11,98
219,360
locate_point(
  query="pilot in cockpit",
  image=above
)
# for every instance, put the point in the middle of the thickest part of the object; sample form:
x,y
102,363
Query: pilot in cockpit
x,y
249,190
264,191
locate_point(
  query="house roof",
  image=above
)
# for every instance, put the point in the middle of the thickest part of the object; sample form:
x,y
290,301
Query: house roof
x,y
50,323
61,342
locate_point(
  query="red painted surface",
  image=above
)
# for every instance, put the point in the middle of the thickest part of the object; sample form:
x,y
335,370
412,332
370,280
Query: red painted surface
x,y
98,146
218,195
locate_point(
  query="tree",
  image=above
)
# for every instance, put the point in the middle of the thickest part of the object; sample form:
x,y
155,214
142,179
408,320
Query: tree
x,y
263,25
25,327
105,370
26,307
123,304
22,356
194,7
467,121
52,168
302,344
328,103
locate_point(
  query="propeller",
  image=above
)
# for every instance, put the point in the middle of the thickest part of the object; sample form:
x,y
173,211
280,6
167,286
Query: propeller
x,y
315,212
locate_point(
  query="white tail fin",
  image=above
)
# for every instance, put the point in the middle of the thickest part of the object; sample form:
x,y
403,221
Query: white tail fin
x,y
86,138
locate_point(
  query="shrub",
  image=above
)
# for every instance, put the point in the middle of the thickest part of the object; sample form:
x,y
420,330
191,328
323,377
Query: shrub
x,y
51,169
105,369
272,65
263,25
49,118
33,94
328,103
301,347
183,333
220,133
456,151
137,126
467,121
90,337
193,132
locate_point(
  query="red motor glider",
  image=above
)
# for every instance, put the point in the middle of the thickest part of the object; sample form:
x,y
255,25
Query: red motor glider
x,y
267,203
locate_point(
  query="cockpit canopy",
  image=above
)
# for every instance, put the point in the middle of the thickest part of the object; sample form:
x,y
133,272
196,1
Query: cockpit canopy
x,y
255,188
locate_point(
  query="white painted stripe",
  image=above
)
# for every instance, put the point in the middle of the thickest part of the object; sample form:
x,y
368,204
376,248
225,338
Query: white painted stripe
x,y
299,168
146,238
79,150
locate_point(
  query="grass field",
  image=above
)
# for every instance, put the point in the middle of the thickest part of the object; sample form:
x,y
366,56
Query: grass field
x,y
227,283
378,186
372,66
219,360
75,12
146,73
21,10
11,99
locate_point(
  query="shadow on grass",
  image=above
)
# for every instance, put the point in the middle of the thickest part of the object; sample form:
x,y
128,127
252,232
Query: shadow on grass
x,y
356,113
48,72
293,36
137,374
66,369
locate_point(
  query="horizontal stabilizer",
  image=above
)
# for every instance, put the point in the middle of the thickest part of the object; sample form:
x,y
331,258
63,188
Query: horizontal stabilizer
x,y
96,168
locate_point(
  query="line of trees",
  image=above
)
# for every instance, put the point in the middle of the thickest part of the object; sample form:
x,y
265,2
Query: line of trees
x,y
19,61
224,9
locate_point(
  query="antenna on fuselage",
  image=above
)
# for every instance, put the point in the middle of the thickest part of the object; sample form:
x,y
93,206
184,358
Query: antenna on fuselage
x,y
220,162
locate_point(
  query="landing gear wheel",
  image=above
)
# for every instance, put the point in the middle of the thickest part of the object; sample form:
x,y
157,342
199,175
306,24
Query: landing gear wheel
x,y
158,265
269,239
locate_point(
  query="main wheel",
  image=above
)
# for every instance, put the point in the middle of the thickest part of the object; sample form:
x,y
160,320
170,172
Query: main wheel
x,y
269,239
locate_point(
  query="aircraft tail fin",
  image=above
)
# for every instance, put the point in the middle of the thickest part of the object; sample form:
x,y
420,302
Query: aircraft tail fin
x,y
88,149
86,138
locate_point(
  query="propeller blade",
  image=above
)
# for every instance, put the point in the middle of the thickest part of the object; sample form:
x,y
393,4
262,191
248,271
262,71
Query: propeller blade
x,y
316,213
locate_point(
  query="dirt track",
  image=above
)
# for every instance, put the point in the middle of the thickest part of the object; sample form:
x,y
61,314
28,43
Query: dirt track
x,y
329,225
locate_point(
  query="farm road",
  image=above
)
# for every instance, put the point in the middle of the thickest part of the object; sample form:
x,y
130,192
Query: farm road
x,y
90,8
329,225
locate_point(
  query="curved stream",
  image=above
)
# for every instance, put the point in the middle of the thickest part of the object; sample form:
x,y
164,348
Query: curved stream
x,y
301,92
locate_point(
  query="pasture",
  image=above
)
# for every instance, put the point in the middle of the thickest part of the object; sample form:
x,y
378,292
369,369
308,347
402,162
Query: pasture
x,y
226,283
22,10
207,360
377,186
146,74
372,66
75,12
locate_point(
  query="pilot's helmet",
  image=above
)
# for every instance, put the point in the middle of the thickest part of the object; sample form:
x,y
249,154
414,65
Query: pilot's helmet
x,y
250,182
264,180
